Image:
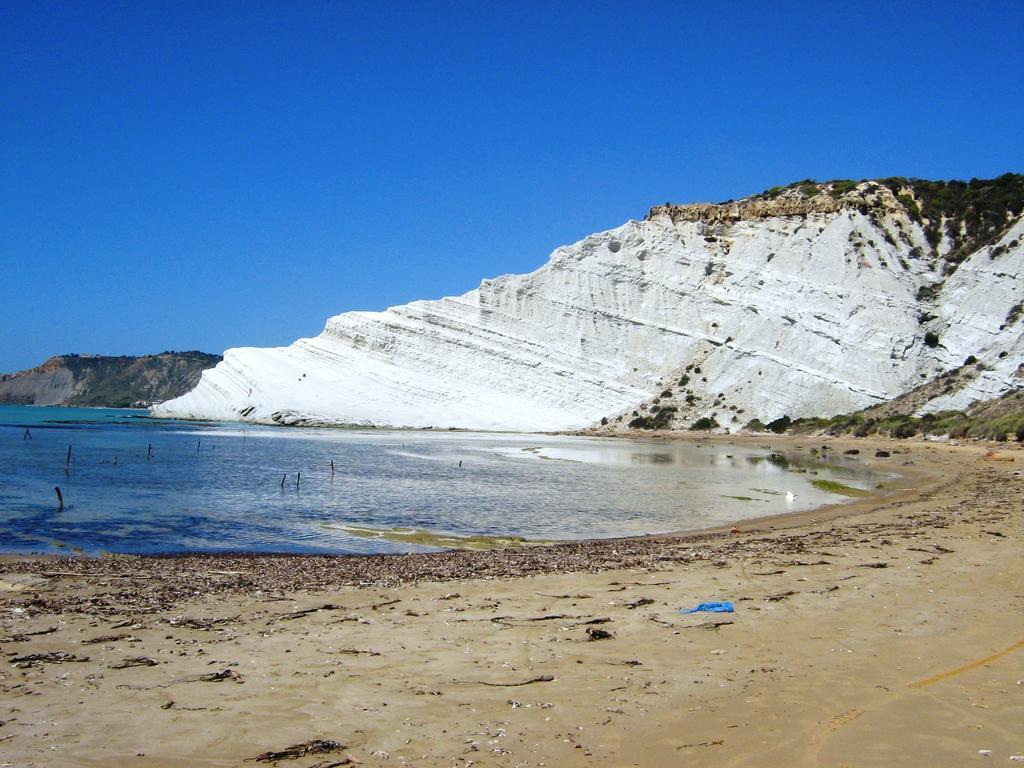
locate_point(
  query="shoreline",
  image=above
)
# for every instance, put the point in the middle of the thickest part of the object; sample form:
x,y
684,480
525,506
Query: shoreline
x,y
906,480
909,479
565,556
241,572
887,634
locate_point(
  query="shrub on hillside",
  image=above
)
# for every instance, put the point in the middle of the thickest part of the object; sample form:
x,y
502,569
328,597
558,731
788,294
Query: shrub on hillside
x,y
704,423
660,420
904,430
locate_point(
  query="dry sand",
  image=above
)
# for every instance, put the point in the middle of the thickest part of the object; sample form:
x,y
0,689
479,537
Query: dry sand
x,y
888,635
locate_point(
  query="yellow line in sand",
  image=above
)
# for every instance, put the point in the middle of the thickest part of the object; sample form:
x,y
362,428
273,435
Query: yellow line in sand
x,y
967,667
839,721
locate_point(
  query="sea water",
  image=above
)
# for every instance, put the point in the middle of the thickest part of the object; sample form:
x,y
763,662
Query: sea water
x,y
140,485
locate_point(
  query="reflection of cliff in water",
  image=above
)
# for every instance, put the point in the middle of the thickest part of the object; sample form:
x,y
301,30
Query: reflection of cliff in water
x,y
652,458
826,460
794,463
775,458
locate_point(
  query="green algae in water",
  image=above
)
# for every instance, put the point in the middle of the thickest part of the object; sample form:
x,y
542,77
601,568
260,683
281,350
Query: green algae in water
x,y
404,535
831,486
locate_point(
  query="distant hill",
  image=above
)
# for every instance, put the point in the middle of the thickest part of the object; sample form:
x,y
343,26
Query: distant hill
x,y
112,382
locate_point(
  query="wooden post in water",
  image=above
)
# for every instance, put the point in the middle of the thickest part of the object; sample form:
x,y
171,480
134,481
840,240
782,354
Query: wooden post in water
x,y
283,479
332,467
149,452
67,461
298,476
60,498
198,443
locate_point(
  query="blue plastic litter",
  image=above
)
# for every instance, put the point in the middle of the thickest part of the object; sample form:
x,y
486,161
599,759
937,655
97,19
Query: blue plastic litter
x,y
723,607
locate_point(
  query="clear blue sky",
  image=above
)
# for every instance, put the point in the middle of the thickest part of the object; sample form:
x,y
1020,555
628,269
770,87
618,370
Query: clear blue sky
x,y
206,175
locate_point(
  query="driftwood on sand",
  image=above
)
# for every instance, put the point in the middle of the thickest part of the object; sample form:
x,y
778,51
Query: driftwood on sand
x,y
312,747
538,679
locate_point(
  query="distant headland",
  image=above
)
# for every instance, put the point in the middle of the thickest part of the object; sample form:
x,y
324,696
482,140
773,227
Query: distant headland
x,y
105,381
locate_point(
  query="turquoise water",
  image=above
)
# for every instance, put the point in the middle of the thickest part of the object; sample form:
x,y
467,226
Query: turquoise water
x,y
217,487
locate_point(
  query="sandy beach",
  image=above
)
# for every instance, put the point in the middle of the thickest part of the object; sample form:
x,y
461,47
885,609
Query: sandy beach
x,y
883,632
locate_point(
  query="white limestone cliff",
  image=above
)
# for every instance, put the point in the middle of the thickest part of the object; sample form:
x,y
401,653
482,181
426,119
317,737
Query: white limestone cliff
x,y
792,305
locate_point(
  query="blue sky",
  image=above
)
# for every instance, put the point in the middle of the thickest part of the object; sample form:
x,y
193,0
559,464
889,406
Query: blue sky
x,y
216,174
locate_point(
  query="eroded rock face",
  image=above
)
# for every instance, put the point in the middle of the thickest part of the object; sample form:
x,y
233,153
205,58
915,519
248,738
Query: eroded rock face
x,y
751,209
797,305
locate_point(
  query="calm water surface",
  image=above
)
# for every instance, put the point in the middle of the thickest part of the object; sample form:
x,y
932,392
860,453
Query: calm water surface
x,y
217,487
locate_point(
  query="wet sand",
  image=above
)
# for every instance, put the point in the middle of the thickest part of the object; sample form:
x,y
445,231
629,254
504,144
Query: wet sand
x,y
883,632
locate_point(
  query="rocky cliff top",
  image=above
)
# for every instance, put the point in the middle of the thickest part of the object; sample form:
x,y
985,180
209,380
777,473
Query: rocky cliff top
x,y
971,214
791,201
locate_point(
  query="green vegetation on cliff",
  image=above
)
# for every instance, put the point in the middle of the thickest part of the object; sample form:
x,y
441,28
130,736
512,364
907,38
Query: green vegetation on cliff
x,y
972,214
1001,419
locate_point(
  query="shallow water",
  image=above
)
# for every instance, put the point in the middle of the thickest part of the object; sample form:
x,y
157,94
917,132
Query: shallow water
x,y
217,487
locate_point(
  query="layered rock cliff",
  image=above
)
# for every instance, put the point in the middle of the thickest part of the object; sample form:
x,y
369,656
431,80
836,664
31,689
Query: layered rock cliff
x,y
114,382
809,300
